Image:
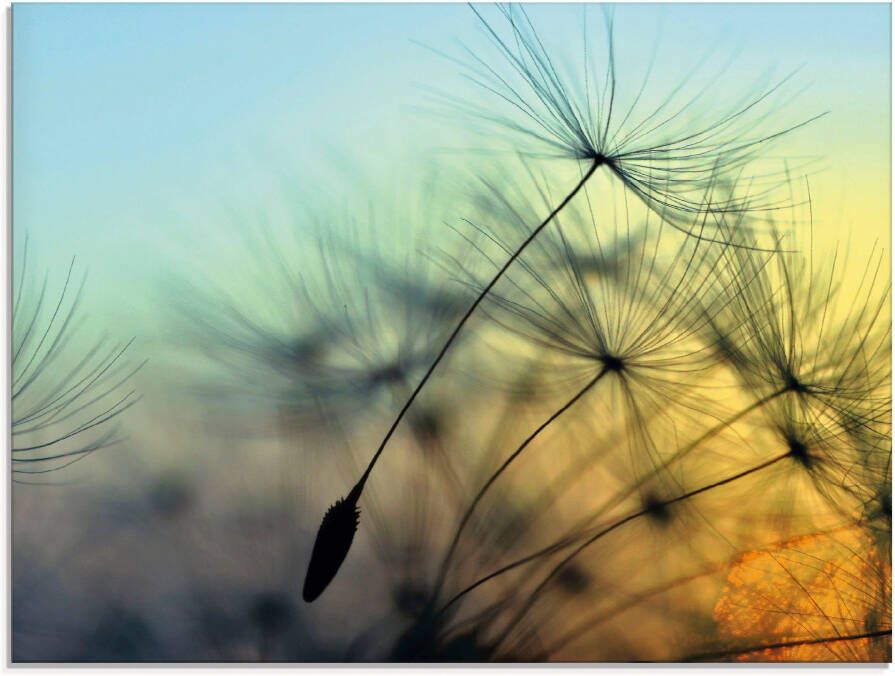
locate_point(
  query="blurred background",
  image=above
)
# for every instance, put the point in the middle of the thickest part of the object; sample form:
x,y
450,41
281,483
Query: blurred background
x,y
248,189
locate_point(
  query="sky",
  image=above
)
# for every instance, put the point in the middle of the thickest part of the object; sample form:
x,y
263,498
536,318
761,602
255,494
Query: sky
x,y
159,144
139,130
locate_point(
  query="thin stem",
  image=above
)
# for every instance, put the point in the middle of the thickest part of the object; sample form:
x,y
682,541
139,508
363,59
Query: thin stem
x,y
588,623
528,240
575,472
506,463
693,445
330,551
570,539
592,621
621,522
714,657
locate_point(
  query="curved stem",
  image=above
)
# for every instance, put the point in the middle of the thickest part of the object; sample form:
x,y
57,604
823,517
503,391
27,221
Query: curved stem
x,y
528,240
693,445
591,621
575,472
500,470
621,522
714,657
571,539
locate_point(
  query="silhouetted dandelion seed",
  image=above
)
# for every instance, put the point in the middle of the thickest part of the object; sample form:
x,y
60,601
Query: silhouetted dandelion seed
x,y
638,332
713,153
664,155
797,332
354,332
332,544
63,400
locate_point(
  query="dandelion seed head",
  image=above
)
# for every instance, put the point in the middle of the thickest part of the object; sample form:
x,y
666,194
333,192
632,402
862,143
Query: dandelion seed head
x,y
612,363
799,452
798,333
341,324
657,509
609,288
665,153
791,383
573,580
171,496
387,374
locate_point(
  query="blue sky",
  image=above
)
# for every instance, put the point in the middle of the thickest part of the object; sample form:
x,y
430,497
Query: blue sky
x,y
137,127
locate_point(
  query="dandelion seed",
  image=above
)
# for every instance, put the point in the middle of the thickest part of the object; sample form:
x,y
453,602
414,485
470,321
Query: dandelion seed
x,y
799,333
665,155
628,163
350,333
61,412
656,509
332,544
830,465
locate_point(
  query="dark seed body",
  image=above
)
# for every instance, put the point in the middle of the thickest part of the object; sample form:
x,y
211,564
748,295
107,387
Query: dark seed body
x,y
331,546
